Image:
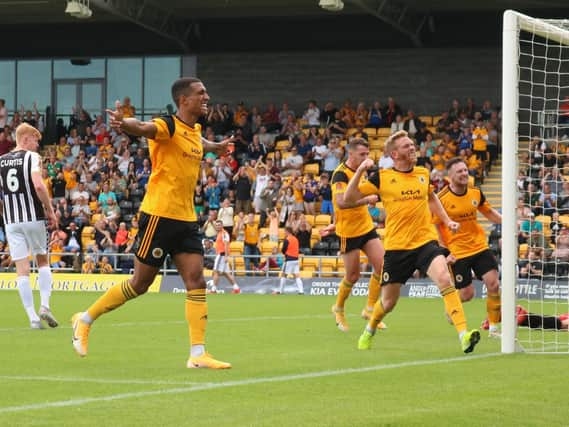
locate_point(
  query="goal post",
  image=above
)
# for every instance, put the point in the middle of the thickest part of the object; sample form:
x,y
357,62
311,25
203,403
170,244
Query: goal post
x,y
535,80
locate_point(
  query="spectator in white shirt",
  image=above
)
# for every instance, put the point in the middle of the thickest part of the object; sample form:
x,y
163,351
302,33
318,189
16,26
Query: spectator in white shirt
x,y
312,114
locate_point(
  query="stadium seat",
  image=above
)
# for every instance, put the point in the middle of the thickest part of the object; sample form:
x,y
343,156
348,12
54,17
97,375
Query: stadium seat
x,y
370,132
428,120
282,145
523,251
309,219
384,132
236,248
563,219
312,168
320,248
310,263
322,220
267,247
436,120
315,234
329,262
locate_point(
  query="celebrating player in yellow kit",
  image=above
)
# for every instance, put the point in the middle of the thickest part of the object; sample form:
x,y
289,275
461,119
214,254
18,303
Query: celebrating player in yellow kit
x,y
354,226
410,237
468,247
167,223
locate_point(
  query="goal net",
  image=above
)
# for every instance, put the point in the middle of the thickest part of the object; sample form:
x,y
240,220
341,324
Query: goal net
x,y
535,192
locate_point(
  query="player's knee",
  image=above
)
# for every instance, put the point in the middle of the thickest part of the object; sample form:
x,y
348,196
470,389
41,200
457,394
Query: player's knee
x,y
493,287
466,294
388,304
352,276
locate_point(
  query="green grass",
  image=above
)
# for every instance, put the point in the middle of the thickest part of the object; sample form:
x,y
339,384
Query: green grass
x,y
277,346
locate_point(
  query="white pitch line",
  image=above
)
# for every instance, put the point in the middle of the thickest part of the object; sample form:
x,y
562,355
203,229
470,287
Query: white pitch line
x,y
176,322
93,380
239,383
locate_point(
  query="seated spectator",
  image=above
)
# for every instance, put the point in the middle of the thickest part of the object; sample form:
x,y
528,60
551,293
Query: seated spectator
x,y
443,124
88,266
423,159
292,164
310,193
303,234
143,174
533,268
412,124
111,212
328,114
274,261
397,124
105,195
332,157
121,237
104,266
312,114
325,194
361,115
348,114
56,249
391,111
338,126
375,116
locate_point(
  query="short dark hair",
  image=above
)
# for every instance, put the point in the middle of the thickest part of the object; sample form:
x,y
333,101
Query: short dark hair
x,y
289,230
357,141
182,87
453,162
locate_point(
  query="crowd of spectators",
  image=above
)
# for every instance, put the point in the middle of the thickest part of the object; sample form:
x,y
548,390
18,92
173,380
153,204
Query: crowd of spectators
x,y
277,174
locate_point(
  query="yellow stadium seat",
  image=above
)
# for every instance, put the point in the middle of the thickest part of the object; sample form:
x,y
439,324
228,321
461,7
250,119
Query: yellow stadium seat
x,y
267,247
351,131
436,120
564,219
523,251
428,120
370,131
315,234
310,263
281,234
322,220
282,145
329,262
207,272
307,274
236,248
384,132
312,168
432,129
309,219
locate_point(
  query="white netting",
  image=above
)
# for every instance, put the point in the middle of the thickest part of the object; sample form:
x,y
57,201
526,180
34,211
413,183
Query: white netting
x,y
543,183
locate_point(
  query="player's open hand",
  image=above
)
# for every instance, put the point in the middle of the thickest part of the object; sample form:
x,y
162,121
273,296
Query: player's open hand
x,y
115,116
453,226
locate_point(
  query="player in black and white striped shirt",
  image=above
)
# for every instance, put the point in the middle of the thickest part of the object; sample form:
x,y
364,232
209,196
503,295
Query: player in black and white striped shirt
x,y
26,208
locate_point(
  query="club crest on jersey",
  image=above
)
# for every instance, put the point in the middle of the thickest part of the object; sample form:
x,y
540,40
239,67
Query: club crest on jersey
x,y
157,252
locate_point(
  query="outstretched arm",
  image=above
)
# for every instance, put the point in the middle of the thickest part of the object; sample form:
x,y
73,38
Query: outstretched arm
x,y
131,125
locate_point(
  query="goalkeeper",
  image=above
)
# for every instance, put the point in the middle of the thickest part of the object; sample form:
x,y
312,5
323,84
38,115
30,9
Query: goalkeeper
x,y
538,321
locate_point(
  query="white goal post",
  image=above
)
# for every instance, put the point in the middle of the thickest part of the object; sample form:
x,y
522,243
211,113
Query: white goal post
x,y
546,43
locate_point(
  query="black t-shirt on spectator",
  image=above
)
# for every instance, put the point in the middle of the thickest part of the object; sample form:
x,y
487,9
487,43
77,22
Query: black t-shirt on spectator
x,y
303,237
243,188
58,187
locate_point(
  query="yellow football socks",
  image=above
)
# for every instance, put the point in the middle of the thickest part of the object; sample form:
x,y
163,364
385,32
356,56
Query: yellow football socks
x,y
493,307
196,315
115,296
454,308
376,317
344,291
374,289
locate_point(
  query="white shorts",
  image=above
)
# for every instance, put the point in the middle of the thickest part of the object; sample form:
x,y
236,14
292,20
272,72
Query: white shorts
x,y
291,267
220,264
25,238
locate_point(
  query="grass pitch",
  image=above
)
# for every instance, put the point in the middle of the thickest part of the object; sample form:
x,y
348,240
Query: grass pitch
x,y
291,367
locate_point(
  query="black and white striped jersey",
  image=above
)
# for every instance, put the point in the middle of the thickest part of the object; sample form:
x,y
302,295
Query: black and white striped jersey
x,y
21,202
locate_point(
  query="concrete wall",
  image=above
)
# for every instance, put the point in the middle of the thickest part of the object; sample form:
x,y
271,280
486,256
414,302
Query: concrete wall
x,y
423,79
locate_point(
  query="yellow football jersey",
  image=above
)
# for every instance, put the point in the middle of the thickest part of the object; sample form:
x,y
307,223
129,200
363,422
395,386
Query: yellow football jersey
x,y
405,197
175,167
470,238
351,222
